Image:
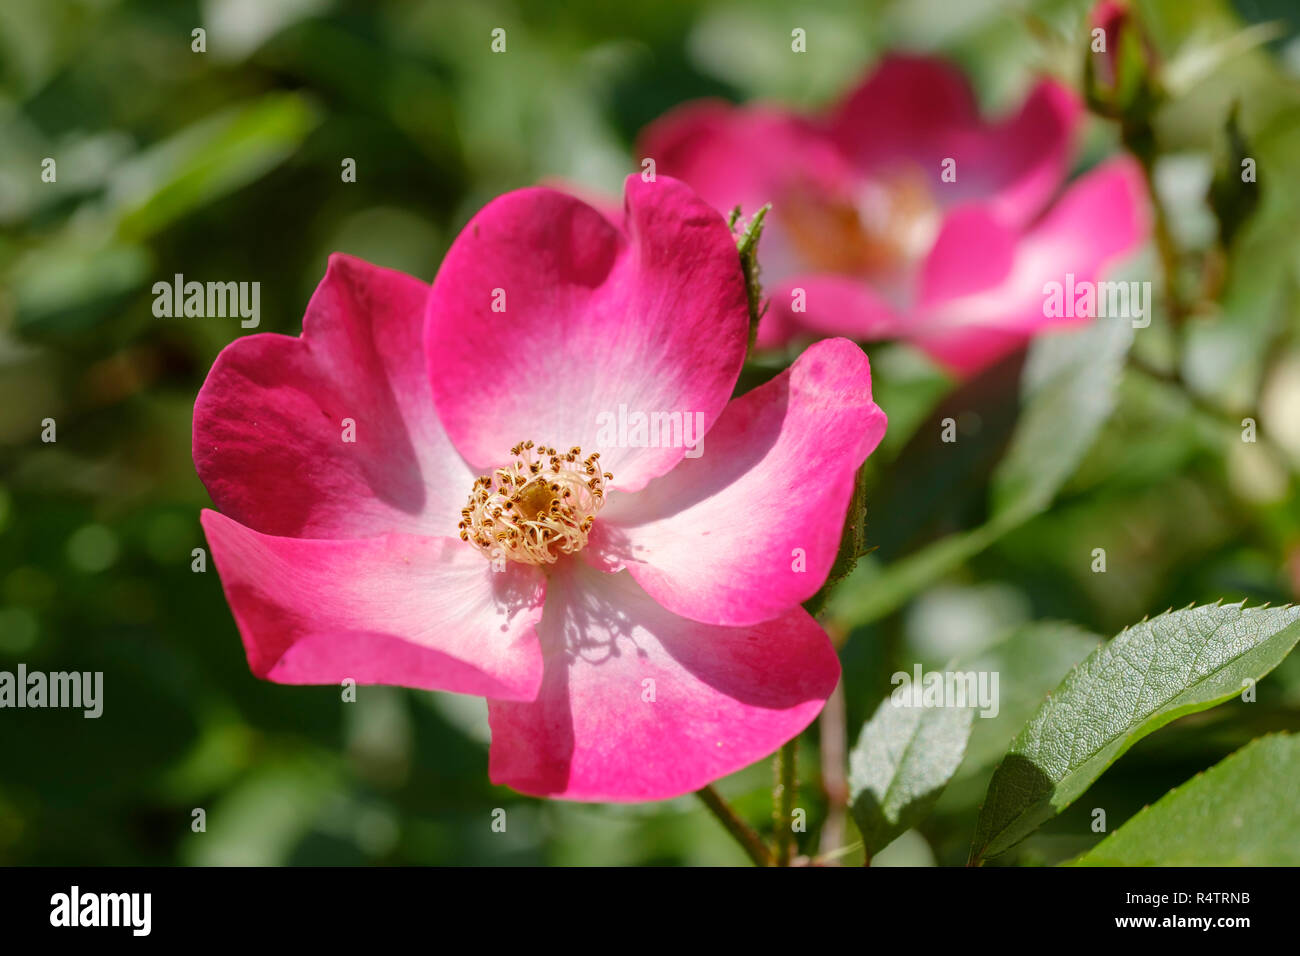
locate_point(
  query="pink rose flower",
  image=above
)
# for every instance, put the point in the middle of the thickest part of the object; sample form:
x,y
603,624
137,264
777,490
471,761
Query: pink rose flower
x,y
630,610
880,245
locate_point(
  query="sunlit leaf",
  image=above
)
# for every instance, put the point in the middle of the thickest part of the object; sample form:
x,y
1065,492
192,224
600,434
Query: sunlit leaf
x,y
1243,811
207,160
903,759
1154,672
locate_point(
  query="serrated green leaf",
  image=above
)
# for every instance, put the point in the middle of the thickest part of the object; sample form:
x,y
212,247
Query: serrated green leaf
x,y
903,759
1241,812
1154,672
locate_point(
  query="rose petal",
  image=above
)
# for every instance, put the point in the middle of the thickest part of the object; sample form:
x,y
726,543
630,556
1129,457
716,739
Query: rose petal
x,y
608,205
832,305
269,420
1101,218
973,252
653,317
920,111
639,704
1024,160
748,156
908,107
751,527
398,609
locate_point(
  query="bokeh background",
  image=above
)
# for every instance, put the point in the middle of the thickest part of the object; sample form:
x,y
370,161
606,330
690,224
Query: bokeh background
x,y
225,166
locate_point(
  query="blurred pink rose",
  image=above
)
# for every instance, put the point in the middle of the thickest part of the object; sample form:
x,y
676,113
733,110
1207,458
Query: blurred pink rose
x,y
868,239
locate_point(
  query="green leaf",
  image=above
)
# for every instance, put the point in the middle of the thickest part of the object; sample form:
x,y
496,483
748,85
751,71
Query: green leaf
x,y
1241,812
903,759
1233,199
1197,61
1029,662
207,160
1154,672
870,593
1068,386
67,284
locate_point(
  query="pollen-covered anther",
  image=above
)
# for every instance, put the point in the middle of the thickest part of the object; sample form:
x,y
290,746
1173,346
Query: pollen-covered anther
x,y
538,507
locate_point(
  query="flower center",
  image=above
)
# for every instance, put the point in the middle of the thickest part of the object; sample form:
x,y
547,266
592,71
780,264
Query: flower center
x,y
887,227
537,508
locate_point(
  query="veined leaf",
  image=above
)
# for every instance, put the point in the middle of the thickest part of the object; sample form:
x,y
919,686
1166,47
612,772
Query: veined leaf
x,y
1154,672
1030,662
1241,812
903,759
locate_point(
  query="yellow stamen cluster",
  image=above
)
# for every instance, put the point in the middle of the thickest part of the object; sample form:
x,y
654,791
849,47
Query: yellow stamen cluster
x,y
537,508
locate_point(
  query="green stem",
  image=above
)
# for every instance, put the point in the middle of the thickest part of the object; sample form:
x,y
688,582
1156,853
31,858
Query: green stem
x,y
1167,249
1217,413
749,841
834,757
783,801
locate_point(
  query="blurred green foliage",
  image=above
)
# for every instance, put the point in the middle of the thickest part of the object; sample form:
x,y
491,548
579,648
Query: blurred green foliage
x,y
226,165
